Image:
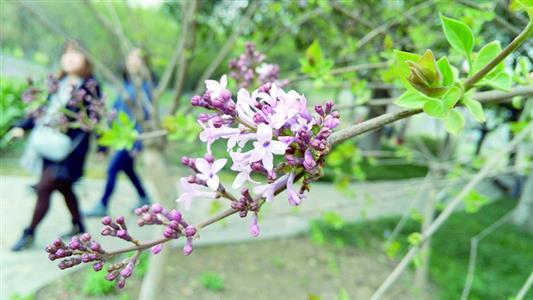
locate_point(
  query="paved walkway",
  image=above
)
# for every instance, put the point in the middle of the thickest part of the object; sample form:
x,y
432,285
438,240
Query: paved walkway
x,y
27,271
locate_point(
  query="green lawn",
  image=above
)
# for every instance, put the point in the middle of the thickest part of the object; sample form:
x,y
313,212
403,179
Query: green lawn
x,y
504,259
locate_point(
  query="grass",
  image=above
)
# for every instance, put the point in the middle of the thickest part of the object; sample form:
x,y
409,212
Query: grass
x,y
504,257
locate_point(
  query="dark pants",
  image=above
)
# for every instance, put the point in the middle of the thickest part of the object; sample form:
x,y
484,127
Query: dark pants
x,y
121,161
46,186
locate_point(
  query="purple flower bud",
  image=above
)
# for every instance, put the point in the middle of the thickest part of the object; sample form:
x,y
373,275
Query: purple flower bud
x,y
140,222
329,106
258,119
331,122
60,253
121,283
243,213
95,246
187,249
52,257
62,265
254,228
309,161
174,225
218,122
156,249
86,237
98,266
107,220
138,211
106,231
147,218
85,258
157,208
50,249
196,100
190,231
123,234
127,271
175,215
74,244
111,276
58,243
168,233
319,110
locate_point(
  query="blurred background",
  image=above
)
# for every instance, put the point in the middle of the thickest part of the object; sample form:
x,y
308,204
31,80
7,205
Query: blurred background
x,y
378,189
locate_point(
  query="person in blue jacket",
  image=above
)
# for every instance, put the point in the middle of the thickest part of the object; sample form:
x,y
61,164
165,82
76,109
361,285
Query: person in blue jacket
x,y
124,160
75,77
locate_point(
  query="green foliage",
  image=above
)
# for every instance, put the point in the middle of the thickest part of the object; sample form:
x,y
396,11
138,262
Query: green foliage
x,y
503,261
121,135
474,201
475,108
436,108
315,64
11,106
19,297
454,122
95,284
414,239
342,295
212,281
459,35
181,127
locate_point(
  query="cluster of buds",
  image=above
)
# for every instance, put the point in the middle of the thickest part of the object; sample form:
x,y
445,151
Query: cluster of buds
x,y
251,68
426,76
175,225
80,249
276,123
121,271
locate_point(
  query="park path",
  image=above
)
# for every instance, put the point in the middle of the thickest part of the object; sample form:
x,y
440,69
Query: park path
x,y
25,272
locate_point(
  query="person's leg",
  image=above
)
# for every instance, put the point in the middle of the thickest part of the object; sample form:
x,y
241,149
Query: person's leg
x,y
44,189
66,188
115,165
129,169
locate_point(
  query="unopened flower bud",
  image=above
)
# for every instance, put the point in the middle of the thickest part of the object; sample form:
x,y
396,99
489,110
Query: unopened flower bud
x,y
175,215
156,249
190,231
98,266
107,220
187,249
309,161
157,208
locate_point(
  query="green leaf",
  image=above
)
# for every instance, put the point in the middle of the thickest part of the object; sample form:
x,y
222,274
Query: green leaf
x,y
446,71
454,122
485,55
314,64
458,34
414,238
412,99
500,81
474,201
435,108
403,68
475,108
452,97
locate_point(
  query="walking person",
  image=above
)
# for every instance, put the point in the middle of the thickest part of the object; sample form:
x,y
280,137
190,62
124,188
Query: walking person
x,y
60,155
124,159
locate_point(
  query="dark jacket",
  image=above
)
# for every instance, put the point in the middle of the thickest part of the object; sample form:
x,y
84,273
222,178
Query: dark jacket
x,y
71,168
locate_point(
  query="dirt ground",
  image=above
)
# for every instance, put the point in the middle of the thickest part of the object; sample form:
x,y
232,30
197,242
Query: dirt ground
x,y
292,268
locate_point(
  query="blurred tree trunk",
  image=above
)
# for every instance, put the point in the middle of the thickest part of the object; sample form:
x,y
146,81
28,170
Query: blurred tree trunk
x,y
189,40
422,272
523,213
157,171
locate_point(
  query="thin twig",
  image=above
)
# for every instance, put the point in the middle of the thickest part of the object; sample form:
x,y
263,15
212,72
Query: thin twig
x,y
525,288
474,241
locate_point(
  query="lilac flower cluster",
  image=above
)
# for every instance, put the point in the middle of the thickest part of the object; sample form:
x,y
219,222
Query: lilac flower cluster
x,y
80,249
258,127
250,68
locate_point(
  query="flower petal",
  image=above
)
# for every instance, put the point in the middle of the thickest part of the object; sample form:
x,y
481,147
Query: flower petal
x,y
224,81
257,153
278,147
213,182
240,179
218,165
264,133
268,161
202,165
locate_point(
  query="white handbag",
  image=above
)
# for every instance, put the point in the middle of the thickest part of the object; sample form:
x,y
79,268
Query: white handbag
x,y
50,143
